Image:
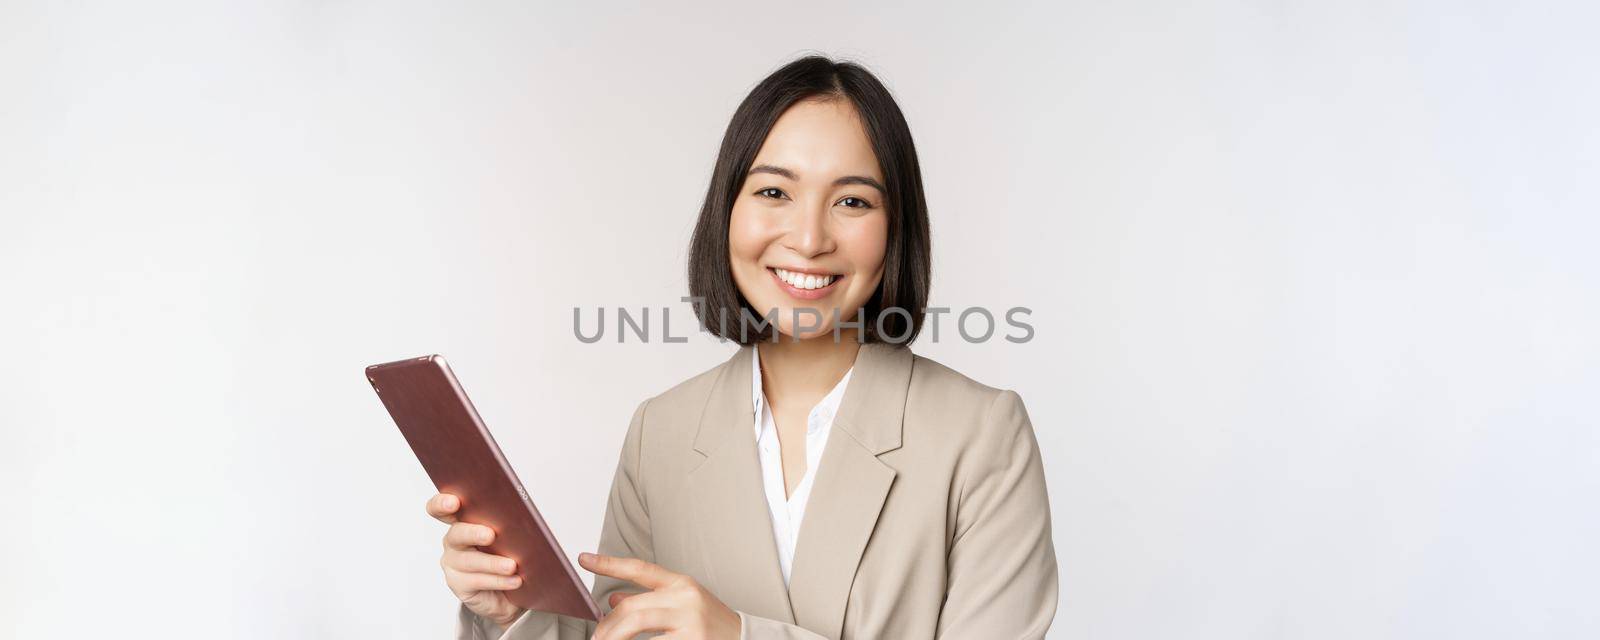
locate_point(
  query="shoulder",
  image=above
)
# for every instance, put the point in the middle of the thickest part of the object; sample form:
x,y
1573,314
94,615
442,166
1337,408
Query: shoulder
x,y
672,416
946,404
933,383
931,376
689,396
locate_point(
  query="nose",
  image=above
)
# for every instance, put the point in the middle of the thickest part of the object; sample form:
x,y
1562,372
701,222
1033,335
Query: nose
x,y
808,236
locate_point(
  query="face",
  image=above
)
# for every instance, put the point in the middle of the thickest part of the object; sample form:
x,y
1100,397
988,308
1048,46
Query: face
x,y
809,228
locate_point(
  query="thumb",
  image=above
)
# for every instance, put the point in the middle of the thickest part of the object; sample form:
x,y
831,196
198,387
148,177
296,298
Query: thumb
x,y
443,507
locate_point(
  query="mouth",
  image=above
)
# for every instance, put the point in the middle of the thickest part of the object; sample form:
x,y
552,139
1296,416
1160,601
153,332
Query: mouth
x,y
805,285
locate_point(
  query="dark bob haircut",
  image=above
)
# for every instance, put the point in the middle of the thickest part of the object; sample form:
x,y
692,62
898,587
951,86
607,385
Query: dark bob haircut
x,y
721,308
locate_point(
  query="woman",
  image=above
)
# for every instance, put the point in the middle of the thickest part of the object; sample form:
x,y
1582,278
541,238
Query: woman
x,y
921,491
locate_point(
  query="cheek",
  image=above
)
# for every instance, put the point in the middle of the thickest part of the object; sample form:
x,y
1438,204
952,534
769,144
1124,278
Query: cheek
x,y
746,237
865,245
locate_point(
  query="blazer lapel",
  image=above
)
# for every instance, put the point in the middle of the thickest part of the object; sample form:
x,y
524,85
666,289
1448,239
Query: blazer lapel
x,y
850,488
730,505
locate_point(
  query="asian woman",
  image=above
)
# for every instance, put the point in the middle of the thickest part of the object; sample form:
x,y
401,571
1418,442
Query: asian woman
x,y
824,481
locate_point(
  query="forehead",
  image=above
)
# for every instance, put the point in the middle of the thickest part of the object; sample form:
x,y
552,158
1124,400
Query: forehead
x,y
820,139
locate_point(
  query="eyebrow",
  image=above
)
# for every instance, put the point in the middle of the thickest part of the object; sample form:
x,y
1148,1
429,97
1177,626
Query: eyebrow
x,y
861,180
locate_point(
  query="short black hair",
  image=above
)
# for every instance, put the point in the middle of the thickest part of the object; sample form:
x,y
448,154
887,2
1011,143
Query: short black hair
x,y
722,310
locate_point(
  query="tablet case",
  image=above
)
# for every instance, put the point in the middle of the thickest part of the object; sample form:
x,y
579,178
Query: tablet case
x,y
461,457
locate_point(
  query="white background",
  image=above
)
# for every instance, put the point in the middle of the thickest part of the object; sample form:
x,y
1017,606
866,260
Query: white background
x,y
1315,289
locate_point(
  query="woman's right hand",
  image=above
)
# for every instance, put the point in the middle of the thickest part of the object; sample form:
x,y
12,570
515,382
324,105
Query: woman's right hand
x,y
477,578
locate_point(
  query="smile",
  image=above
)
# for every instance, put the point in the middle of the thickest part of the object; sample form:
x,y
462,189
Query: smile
x,y
808,286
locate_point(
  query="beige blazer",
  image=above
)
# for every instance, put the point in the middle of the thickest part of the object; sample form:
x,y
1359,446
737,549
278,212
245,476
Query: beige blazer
x,y
928,517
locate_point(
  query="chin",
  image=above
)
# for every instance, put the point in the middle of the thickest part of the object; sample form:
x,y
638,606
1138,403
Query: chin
x,y
786,332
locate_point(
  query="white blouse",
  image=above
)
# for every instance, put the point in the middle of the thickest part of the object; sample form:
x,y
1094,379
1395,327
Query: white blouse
x,y
787,513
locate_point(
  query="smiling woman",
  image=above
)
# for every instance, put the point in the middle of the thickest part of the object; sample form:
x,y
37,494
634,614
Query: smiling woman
x,y
816,200
736,511
799,237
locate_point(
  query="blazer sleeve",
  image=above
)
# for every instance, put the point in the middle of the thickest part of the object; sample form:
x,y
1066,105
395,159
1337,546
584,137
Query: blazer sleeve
x,y
753,627
1002,579
625,533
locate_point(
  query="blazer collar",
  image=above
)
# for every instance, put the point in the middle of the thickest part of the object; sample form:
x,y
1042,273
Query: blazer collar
x,y
740,555
871,411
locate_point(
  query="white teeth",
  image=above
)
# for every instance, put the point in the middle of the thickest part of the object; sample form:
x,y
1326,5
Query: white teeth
x,y
805,281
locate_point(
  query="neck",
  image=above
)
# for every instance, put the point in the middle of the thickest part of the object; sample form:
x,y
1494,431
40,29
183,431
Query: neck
x,y
806,369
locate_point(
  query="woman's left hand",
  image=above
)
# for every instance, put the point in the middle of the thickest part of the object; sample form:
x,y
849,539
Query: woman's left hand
x,y
675,604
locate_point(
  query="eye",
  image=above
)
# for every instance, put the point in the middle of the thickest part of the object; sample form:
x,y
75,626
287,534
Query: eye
x,y
773,192
855,203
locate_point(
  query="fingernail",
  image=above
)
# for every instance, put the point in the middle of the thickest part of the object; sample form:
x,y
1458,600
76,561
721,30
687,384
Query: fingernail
x,y
585,556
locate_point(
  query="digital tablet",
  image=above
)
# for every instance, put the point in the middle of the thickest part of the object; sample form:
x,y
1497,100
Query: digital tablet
x,y
454,446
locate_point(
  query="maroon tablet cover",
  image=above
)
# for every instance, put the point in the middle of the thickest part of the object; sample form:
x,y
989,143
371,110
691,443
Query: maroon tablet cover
x,y
444,430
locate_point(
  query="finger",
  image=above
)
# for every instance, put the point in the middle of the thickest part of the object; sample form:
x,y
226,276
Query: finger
x,y
639,572
463,582
474,561
443,506
465,535
624,608
617,597
627,623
